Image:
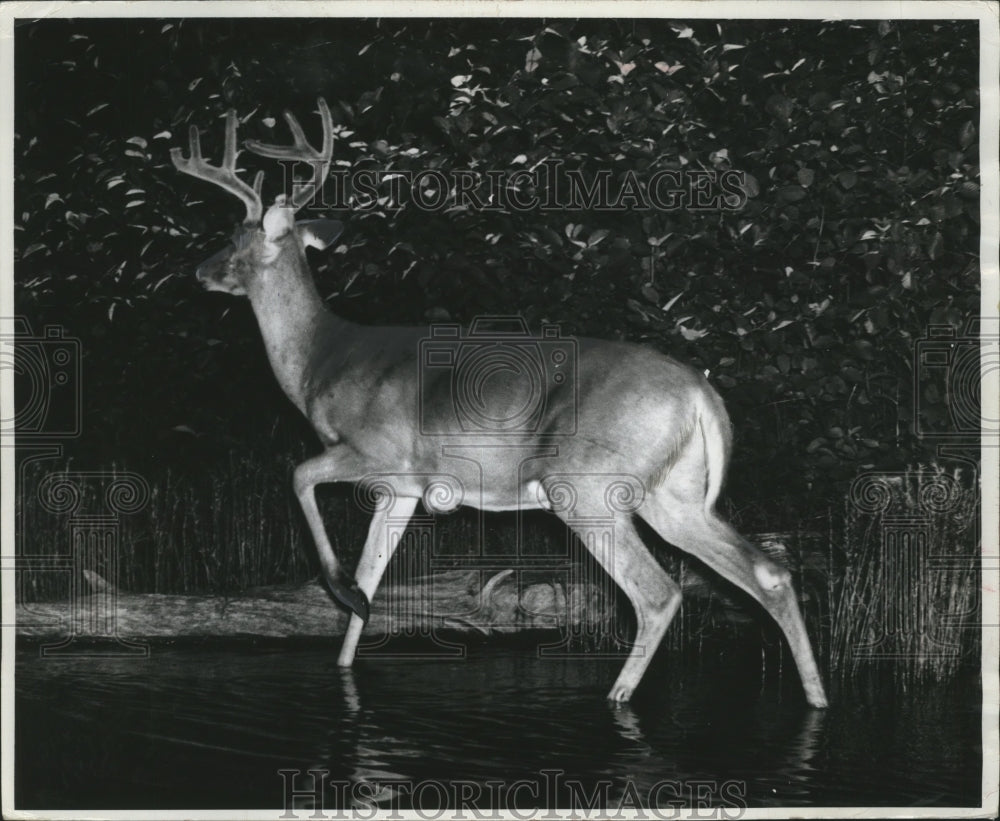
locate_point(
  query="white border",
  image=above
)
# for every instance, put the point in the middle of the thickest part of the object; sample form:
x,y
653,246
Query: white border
x,y
985,12
711,9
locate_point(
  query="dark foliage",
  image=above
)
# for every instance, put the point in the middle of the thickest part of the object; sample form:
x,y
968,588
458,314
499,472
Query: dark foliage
x,y
859,228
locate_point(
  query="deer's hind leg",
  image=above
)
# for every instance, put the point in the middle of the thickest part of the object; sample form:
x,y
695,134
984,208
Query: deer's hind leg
x,y
686,524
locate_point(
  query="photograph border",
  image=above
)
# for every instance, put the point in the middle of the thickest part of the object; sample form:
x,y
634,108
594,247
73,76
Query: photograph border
x,y
989,148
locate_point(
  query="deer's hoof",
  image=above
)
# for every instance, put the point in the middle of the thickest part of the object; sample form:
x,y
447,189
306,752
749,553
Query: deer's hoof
x,y
818,700
353,598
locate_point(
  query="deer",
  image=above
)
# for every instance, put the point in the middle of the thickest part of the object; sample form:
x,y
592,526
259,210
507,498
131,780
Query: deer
x,y
600,411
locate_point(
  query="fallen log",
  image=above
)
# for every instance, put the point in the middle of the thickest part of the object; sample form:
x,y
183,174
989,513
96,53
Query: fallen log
x,y
453,600
471,601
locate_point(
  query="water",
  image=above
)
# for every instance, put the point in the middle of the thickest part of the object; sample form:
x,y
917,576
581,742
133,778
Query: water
x,y
211,727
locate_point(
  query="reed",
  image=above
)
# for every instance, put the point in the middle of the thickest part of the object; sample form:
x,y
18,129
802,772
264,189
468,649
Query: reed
x,y
233,523
222,529
906,599
897,587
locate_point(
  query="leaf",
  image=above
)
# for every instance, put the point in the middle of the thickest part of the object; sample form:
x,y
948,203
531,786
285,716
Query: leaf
x,y
847,179
791,193
668,69
865,349
967,134
670,304
52,198
597,236
936,247
815,444
564,81
532,59
97,108
805,177
779,106
159,282
691,334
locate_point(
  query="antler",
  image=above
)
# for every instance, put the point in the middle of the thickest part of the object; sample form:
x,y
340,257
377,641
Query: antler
x,y
223,175
301,150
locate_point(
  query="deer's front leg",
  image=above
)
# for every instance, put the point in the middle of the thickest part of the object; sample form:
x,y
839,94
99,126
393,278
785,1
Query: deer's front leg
x,y
379,547
334,465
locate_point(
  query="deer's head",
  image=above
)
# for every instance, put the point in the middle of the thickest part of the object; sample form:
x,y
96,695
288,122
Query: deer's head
x,y
268,244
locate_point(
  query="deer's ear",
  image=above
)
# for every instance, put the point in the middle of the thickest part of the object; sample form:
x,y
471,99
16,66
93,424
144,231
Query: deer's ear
x,y
319,233
211,268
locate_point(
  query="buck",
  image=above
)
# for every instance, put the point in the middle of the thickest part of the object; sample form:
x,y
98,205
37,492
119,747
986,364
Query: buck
x,y
593,418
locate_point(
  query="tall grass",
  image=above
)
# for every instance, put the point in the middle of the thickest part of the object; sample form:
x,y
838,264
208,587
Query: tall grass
x,y
232,525
897,585
908,600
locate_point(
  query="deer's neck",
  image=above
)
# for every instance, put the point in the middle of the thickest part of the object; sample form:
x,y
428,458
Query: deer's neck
x,y
294,322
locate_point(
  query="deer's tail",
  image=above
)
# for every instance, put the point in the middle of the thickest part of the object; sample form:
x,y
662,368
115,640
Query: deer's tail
x,y
717,439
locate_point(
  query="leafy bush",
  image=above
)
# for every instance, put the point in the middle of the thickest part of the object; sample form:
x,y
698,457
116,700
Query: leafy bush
x,y
857,143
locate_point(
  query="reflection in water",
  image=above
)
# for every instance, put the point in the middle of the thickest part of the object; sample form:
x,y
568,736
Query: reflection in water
x,y
213,728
